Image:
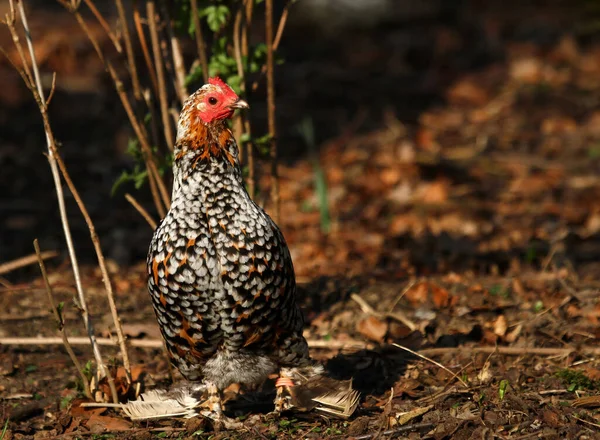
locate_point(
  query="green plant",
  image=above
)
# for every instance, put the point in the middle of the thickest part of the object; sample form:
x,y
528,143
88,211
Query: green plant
x,y
224,49
4,429
576,380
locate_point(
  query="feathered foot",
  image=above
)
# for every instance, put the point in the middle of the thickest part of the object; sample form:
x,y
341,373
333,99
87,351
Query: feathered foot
x,y
212,409
307,388
283,398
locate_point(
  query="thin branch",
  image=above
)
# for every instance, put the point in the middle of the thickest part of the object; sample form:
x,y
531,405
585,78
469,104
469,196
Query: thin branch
x,y
144,45
366,308
135,81
139,208
90,4
101,264
137,128
160,74
60,321
281,26
200,40
158,343
433,362
178,64
271,109
249,4
35,84
513,351
25,261
277,40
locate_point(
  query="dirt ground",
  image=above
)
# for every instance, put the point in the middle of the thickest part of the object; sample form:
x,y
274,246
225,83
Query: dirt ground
x,y
467,231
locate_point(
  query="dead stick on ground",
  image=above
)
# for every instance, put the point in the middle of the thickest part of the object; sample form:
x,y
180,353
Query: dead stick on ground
x,y
431,361
365,307
60,321
158,343
25,261
513,351
33,82
141,210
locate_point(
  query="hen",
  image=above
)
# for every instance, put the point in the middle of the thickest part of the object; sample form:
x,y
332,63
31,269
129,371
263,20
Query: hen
x,y
219,271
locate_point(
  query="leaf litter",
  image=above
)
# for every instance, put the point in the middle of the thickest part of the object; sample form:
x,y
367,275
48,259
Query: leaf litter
x,y
478,223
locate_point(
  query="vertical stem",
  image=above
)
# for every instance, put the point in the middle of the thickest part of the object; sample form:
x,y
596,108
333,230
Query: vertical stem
x,y
249,146
144,44
271,108
160,74
60,322
61,202
137,89
178,65
200,40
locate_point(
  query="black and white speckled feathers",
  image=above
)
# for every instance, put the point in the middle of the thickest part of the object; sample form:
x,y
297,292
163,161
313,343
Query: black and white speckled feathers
x,y
219,271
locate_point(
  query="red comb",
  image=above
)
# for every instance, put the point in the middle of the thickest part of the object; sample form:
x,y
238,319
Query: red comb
x,y
216,81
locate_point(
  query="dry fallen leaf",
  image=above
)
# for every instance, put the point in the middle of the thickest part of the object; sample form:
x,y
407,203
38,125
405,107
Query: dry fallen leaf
x,y
372,328
500,326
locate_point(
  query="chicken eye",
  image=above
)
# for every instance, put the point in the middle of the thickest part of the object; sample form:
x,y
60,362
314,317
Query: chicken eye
x,y
212,100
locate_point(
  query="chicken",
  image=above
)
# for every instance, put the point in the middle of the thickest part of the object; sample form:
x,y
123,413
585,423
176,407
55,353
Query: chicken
x,y
219,271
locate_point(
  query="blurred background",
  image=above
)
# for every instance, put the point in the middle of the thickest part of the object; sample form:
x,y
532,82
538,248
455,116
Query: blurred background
x,y
415,136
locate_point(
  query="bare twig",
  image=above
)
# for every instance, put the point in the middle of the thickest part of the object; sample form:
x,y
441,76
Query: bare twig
x,y
240,46
281,26
60,321
277,40
158,343
160,74
135,81
271,108
25,261
249,148
35,85
139,208
101,264
178,65
144,44
513,351
431,361
200,40
90,4
366,308
158,203
137,127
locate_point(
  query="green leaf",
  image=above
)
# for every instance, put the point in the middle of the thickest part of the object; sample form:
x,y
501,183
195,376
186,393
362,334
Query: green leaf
x,y
195,75
123,178
502,389
216,16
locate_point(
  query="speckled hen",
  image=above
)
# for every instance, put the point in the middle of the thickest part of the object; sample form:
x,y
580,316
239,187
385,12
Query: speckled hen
x,y
219,271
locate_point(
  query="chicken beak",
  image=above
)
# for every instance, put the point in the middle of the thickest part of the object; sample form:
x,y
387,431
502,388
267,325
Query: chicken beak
x,y
240,103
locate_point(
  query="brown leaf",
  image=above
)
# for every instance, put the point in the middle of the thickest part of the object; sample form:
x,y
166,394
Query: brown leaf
x,y
372,328
418,294
466,91
500,326
98,423
441,297
527,70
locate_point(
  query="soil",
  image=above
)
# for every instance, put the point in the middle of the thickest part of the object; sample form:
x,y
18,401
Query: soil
x,y
453,276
